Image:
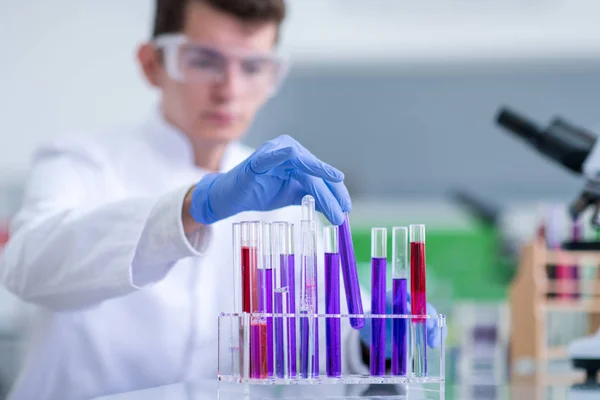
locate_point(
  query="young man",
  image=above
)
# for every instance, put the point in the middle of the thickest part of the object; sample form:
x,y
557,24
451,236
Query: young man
x,y
124,240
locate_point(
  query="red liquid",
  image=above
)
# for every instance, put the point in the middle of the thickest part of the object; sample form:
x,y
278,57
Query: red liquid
x,y
417,278
249,280
258,342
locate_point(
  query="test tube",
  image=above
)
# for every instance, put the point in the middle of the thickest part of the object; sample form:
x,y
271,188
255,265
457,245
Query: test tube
x,y
350,274
309,339
279,236
399,299
418,298
378,277
332,303
251,259
291,273
266,293
236,339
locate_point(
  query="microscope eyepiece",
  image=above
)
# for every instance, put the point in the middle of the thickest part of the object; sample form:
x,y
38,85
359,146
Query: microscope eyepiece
x,y
560,141
519,125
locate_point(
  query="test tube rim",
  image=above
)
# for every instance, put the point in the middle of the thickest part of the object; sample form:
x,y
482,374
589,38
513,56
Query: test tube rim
x,y
331,239
378,250
417,230
400,272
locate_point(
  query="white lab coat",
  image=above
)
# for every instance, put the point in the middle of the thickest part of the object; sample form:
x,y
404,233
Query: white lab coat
x,y
124,299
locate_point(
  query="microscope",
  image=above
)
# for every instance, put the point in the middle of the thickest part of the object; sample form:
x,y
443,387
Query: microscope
x,y
571,146
576,149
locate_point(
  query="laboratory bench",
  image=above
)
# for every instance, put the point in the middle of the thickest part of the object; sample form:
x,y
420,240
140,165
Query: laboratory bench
x,y
205,390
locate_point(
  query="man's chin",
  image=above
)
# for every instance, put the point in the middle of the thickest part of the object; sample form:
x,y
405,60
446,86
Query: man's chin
x,y
219,135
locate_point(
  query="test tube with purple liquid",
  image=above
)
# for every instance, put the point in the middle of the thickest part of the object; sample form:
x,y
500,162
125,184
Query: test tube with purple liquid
x,y
400,300
291,273
332,303
350,274
281,299
378,280
266,294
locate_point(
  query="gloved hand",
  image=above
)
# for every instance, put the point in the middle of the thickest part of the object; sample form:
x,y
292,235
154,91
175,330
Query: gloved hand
x,y
278,174
433,332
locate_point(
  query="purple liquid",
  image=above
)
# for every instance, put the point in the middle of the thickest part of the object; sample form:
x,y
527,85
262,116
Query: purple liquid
x,y
280,350
267,306
399,327
305,343
332,306
350,274
292,305
378,266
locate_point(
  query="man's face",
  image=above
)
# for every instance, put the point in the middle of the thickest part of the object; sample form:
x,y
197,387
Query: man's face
x,y
221,110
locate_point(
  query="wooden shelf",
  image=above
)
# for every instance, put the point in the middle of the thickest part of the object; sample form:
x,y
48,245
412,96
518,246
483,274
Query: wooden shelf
x,y
589,306
530,306
556,353
579,259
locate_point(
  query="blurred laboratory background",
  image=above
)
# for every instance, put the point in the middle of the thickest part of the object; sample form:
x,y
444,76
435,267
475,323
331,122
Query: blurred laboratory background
x,y
401,95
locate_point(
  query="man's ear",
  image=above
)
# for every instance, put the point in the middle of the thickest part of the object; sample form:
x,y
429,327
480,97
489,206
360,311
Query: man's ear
x,y
151,64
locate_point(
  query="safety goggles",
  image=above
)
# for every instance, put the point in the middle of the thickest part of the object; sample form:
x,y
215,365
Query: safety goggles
x,y
196,63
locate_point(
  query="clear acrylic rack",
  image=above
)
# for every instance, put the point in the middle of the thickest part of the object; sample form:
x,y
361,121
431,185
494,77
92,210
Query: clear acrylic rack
x,y
236,351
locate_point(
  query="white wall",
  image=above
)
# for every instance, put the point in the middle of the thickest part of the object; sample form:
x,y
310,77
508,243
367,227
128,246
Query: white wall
x,y
68,65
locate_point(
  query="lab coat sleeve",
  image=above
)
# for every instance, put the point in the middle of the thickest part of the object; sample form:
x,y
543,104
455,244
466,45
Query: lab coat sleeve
x,y
71,249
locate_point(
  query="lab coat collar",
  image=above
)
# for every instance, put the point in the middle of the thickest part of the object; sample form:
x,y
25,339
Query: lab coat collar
x,y
172,143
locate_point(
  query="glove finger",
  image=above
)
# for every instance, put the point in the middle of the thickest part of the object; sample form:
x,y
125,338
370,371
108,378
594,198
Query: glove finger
x,y
433,330
290,156
341,193
311,165
263,162
325,201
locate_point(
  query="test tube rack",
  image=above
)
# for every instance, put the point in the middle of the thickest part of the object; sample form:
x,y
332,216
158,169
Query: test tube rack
x,y
531,308
234,353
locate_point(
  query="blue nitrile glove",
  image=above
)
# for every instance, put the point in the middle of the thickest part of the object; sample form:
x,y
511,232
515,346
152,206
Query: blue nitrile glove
x,y
276,175
433,332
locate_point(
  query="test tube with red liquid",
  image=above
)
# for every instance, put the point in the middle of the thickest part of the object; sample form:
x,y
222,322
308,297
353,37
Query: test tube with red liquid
x,y
237,357
378,281
418,298
251,259
333,335
399,300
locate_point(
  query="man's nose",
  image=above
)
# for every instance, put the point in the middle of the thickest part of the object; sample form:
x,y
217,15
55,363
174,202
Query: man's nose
x,y
231,84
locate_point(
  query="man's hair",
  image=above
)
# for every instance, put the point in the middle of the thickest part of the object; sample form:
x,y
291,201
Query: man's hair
x,y
170,14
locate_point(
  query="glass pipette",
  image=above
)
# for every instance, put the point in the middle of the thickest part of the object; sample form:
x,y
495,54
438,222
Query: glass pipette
x,y
309,356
